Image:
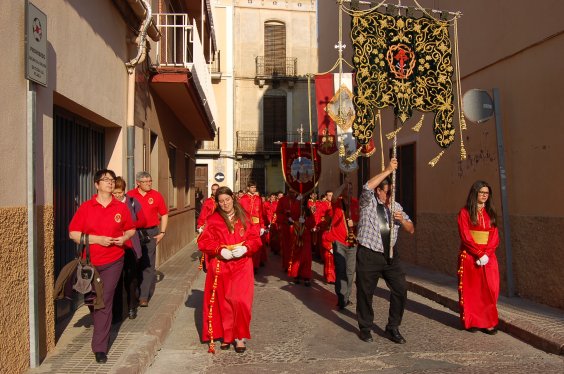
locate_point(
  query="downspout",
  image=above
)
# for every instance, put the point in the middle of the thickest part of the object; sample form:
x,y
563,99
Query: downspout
x,y
141,54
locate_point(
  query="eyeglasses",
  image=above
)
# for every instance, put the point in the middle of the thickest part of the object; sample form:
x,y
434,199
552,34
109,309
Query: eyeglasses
x,y
147,181
485,193
118,193
107,180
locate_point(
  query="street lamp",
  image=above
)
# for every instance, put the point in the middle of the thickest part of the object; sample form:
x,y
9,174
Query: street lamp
x,y
478,107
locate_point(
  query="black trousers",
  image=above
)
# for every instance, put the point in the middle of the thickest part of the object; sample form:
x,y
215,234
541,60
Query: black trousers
x,y
371,266
147,276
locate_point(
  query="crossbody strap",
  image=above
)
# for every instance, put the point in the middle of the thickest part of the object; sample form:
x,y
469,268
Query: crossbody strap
x,y
84,246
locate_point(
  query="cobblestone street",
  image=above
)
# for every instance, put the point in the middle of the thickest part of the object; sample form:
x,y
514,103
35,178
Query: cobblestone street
x,y
296,329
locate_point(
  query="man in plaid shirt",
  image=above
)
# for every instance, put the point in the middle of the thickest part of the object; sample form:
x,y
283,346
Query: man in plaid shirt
x,y
372,260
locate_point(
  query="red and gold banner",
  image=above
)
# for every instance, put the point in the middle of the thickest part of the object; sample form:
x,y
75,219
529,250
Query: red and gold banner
x,y
301,166
326,127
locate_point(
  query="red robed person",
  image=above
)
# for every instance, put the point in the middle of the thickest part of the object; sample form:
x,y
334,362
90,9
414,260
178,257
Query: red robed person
x,y
229,240
251,202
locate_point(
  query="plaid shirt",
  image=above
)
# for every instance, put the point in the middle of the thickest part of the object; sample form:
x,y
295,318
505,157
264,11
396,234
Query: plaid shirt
x,y
369,224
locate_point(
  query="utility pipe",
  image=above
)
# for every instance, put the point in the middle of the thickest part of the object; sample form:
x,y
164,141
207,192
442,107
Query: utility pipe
x,y
141,54
141,40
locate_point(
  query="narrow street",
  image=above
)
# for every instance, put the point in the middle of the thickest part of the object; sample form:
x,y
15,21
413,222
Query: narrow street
x,y
296,329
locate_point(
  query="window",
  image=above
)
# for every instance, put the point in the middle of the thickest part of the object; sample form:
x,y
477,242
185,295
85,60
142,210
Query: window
x,y
274,48
255,174
274,121
172,182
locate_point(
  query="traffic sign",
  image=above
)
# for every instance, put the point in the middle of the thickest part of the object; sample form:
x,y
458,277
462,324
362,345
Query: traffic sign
x,y
219,177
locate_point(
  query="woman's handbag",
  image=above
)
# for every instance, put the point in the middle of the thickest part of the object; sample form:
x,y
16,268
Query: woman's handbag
x,y
85,269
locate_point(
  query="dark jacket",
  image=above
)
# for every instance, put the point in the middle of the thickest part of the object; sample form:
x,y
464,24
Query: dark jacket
x,y
67,278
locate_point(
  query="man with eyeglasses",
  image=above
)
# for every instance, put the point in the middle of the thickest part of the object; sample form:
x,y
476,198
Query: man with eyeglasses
x,y
156,212
373,258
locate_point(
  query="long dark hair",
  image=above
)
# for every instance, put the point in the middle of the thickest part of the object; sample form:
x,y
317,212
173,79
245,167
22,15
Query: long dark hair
x,y
239,212
472,203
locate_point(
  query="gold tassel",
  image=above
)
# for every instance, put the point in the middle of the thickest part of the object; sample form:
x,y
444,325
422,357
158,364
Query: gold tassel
x,y
418,125
342,152
462,151
393,134
354,156
434,161
462,122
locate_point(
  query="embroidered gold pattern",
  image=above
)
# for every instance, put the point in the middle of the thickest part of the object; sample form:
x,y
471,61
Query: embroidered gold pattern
x,y
405,63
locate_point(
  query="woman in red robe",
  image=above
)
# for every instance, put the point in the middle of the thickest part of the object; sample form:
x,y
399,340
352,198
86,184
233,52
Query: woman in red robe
x,y
229,241
478,274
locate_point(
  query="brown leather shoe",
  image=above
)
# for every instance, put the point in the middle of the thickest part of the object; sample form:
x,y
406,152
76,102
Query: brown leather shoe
x,y
143,303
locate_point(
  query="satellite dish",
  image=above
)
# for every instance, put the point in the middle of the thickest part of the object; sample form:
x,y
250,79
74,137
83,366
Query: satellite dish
x,y
477,105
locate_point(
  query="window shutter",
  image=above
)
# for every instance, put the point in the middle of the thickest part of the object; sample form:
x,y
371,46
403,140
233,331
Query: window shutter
x,y
275,48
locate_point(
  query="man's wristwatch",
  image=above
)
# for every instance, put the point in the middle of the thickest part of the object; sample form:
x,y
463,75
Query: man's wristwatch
x,y
163,232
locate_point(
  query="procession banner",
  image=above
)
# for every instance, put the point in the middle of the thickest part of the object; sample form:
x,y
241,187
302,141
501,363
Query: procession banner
x,y
301,166
406,63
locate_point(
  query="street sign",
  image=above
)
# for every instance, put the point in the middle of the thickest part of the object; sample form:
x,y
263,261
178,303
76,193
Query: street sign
x,y
477,105
35,45
219,177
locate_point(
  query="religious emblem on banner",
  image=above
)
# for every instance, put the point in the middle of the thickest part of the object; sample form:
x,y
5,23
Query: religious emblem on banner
x,y
301,166
405,63
336,114
326,127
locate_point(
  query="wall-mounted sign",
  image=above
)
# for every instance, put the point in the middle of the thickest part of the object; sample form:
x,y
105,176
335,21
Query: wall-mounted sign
x,y
219,177
35,45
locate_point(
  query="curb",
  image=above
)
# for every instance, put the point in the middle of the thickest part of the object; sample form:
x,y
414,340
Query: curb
x,y
519,328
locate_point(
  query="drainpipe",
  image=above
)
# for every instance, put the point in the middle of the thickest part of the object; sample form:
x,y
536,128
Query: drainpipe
x,y
141,54
141,39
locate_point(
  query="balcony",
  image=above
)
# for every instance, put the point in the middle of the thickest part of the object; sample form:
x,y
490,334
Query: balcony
x,y
276,68
209,147
255,142
182,76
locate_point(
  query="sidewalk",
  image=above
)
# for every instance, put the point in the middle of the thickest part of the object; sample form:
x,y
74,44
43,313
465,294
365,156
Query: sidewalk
x,y
535,324
136,342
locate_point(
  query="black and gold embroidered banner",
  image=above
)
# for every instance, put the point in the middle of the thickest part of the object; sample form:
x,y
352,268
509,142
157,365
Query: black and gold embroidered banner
x,y
406,63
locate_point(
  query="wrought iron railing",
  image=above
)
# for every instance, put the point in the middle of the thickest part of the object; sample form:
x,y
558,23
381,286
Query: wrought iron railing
x,y
176,44
266,142
276,67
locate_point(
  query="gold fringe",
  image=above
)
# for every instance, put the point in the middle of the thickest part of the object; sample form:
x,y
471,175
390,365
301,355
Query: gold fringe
x,y
393,134
202,259
418,125
434,161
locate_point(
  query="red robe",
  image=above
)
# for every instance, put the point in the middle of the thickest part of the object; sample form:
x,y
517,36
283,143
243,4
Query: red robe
x,y
287,208
252,204
269,211
301,250
478,286
231,312
208,207
323,216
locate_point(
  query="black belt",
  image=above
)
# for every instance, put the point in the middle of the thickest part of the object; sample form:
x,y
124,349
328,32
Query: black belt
x,y
150,228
